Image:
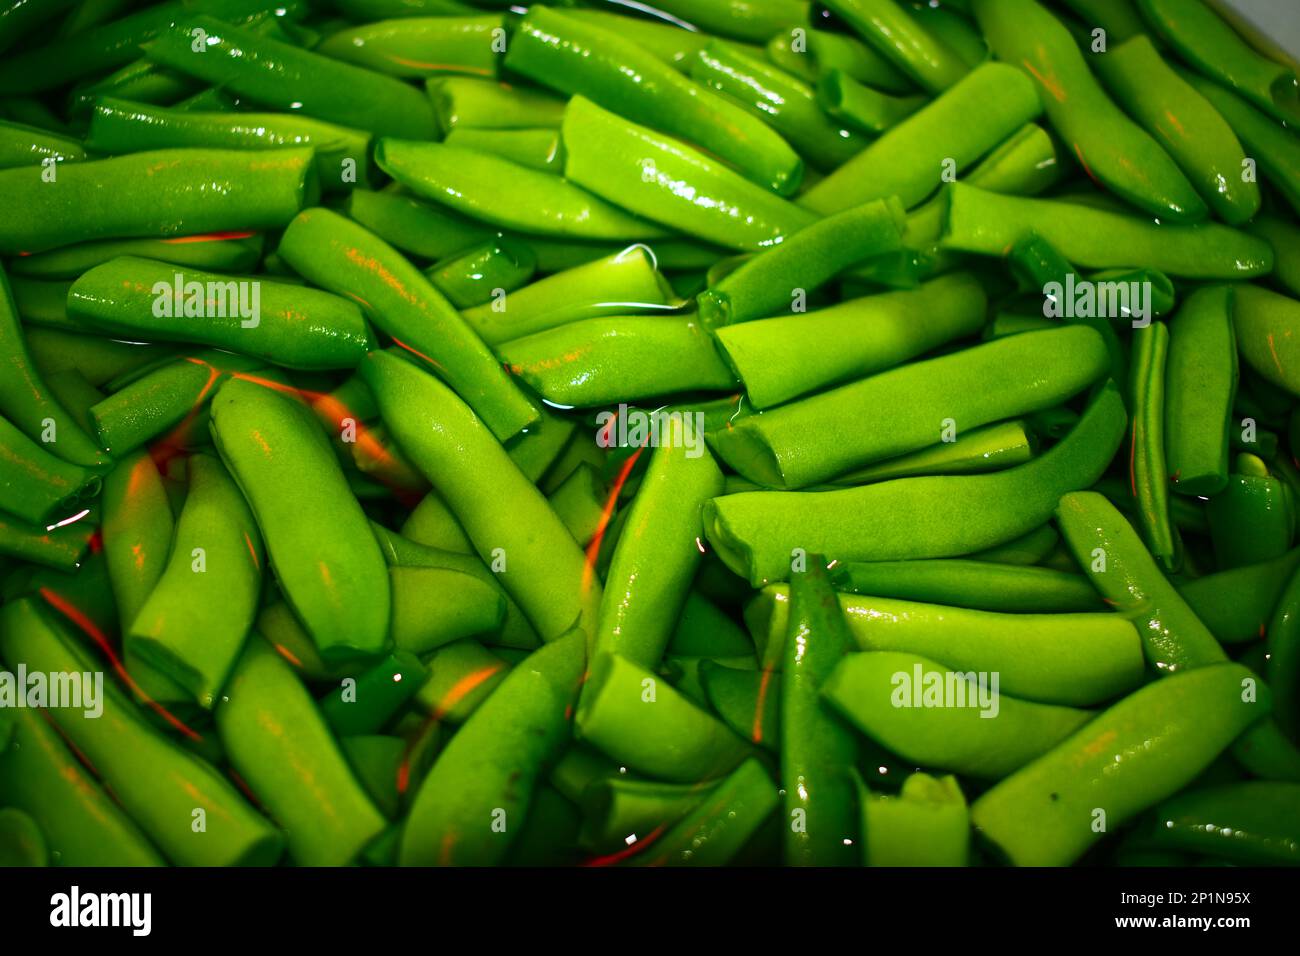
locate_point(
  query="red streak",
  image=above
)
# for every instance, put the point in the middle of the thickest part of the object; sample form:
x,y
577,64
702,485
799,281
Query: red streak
x,y
211,237
757,734
593,549
637,847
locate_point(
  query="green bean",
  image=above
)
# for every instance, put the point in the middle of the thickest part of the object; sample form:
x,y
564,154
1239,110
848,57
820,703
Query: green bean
x,y
783,358
642,722
770,283
1202,382
915,157
364,703
984,222
1236,604
816,749
534,148
989,448
618,812
704,630
831,50
827,434
671,44
860,107
60,547
343,256
284,77
934,716
412,226
276,739
324,556
1196,137
534,449
755,533
461,676
474,800
78,819
542,568
224,252
1266,326
788,105
1112,149
35,485
164,788
1133,755
1272,146
421,46
433,607
721,825
118,126
1283,655
906,43
462,102
744,21
1116,17
579,501
1216,50
22,145
979,585
593,362
1251,520
671,183
580,58
1149,478
926,824
470,183
154,194
747,700
1250,822
1285,240
482,274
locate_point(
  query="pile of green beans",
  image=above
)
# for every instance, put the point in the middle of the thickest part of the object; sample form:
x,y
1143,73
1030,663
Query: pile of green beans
x,y
856,433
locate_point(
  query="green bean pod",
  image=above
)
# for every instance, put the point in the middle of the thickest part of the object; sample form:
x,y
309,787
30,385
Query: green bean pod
x,y
325,558
276,321
35,485
223,252
594,362
904,41
1113,150
658,550
755,533
721,825
1203,39
786,104
1285,240
817,750
1126,575
641,721
159,784
22,145
580,58
1267,327
461,676
989,224
1236,604
979,585
769,283
79,820
162,399
276,739
613,285
168,192
860,107
1147,453
856,424
542,567
461,102
1201,382
926,824
1283,651
829,50
754,22
421,46
484,273
782,358
61,548
671,44
414,227
671,183
284,77
1251,520
1141,750
1196,137
1271,145
194,623
366,702
913,159
990,448
1253,823
343,256
748,701
473,803
934,716
118,126
537,149
471,183
433,607
616,810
